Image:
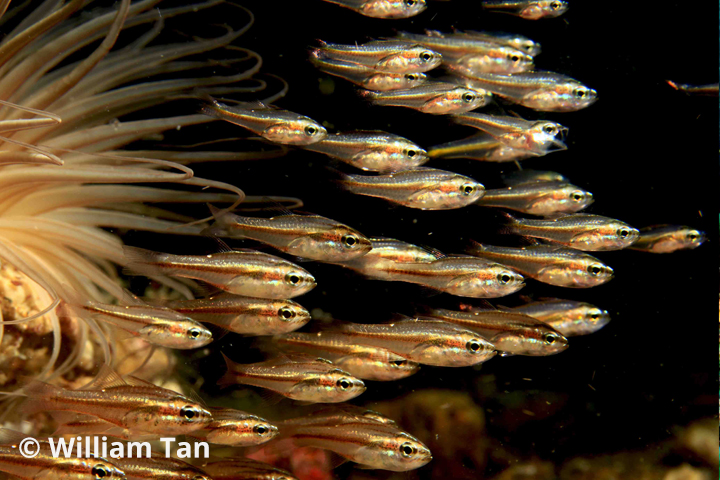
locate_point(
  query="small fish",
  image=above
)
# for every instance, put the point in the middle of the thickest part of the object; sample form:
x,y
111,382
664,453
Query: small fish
x,y
475,54
435,98
46,466
528,9
388,56
538,137
372,445
245,315
245,469
157,325
365,362
511,333
236,428
372,151
568,317
160,467
242,272
524,44
543,199
299,377
385,252
384,8
271,123
307,236
428,342
668,238
482,147
421,188
701,90
589,233
364,76
129,403
521,177
338,414
543,91
559,266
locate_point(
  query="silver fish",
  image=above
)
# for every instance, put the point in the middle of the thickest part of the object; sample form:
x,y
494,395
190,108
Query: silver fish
x,y
421,188
559,266
271,123
668,238
514,40
528,9
387,56
589,233
384,8
543,91
236,428
364,76
544,199
385,252
435,98
568,317
372,151
482,147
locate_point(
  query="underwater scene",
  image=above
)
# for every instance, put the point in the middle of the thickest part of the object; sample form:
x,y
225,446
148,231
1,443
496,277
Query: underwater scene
x,y
358,239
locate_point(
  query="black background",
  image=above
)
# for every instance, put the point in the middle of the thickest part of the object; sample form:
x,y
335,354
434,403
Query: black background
x,y
646,152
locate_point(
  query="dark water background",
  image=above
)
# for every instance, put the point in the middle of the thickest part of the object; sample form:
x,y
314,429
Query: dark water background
x,y
646,152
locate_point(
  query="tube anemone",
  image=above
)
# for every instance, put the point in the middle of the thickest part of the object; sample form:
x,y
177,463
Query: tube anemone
x,y
68,83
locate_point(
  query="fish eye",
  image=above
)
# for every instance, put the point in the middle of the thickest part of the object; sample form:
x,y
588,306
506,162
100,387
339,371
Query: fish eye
x,y
623,233
398,363
261,429
424,56
473,346
594,316
293,278
556,5
504,278
189,413
467,189
580,93
349,240
410,3
549,129
411,76
594,270
194,333
577,196
407,450
100,471
550,338
411,153
692,236
286,313
344,384
514,58
310,130
468,97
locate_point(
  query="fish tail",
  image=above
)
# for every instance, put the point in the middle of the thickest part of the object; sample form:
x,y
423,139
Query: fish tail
x,y
231,376
142,261
224,221
508,224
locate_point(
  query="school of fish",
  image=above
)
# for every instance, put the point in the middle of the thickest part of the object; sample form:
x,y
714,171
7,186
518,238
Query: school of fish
x,y
254,293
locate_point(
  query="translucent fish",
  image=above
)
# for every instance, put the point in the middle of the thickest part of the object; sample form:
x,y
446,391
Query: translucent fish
x,y
421,188
337,414
160,467
589,233
245,469
521,177
559,266
482,147
528,9
475,54
524,44
385,252
362,361
371,445
384,8
544,199
435,98
366,77
537,137
236,428
242,272
702,90
245,315
668,239
271,123
427,342
372,151
46,466
157,325
510,333
307,236
543,91
299,377
387,56
568,317
129,403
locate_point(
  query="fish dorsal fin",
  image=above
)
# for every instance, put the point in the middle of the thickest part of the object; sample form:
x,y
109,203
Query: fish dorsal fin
x,y
11,437
105,378
433,251
138,382
256,105
130,298
434,33
193,395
